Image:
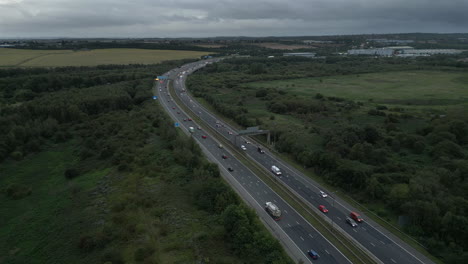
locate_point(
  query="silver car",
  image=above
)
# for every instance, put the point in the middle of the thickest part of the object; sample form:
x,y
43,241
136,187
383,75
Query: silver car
x,y
351,222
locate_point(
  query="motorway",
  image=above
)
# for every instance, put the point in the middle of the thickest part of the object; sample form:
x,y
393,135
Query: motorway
x,y
300,234
383,245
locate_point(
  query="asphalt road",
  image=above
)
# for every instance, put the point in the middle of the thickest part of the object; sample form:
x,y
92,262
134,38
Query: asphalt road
x,y
384,245
300,234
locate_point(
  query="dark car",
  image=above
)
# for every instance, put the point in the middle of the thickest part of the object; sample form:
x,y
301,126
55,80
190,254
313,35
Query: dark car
x,y
190,119
224,156
312,254
230,169
204,137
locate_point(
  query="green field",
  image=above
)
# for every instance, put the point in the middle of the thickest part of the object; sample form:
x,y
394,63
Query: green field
x,y
57,58
416,88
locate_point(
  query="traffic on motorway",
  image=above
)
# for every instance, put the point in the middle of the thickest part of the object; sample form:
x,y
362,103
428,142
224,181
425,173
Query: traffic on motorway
x,y
301,235
371,236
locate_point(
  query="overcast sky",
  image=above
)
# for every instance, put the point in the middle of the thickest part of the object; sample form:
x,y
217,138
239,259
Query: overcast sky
x,y
208,18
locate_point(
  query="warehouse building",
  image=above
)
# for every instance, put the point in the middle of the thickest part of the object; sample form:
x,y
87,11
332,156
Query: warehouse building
x,y
300,54
372,52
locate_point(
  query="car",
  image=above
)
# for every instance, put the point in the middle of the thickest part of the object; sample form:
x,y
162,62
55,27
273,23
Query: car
x,y
243,147
313,254
260,150
356,217
230,169
224,156
351,222
323,194
185,119
199,128
220,146
323,209
190,119
230,133
173,107
178,112
168,100
247,142
204,137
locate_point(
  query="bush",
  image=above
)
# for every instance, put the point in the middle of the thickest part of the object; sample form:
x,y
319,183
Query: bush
x,y
143,253
376,112
17,191
71,173
17,155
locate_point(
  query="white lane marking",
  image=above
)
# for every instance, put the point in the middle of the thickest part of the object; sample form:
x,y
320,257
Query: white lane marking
x,y
327,252
372,244
289,225
265,192
297,222
393,260
355,230
363,228
258,193
285,211
302,238
382,242
311,236
338,218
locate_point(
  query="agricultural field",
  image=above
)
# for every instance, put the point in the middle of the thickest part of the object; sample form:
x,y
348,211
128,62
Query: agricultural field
x,y
58,58
413,89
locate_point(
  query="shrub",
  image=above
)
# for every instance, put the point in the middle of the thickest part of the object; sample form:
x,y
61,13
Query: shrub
x,y
71,173
17,191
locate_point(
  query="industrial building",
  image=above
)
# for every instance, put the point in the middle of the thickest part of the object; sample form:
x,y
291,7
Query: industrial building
x,y
402,51
391,41
429,52
372,52
300,54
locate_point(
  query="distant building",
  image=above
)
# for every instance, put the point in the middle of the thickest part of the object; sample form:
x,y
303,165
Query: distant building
x,y
372,52
317,42
391,41
300,54
402,51
428,52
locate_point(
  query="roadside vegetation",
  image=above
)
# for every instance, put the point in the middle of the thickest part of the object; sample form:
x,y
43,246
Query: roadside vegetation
x,y
93,171
391,133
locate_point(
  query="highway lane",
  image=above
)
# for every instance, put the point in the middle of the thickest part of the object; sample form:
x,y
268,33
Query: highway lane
x,y
368,234
300,232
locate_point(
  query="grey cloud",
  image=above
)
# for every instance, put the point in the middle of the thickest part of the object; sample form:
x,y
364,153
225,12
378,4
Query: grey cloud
x,y
193,18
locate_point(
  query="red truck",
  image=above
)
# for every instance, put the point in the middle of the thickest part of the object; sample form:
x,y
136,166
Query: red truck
x,y
356,217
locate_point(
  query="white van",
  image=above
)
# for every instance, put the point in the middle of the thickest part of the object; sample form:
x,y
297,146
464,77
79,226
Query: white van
x,y
276,170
